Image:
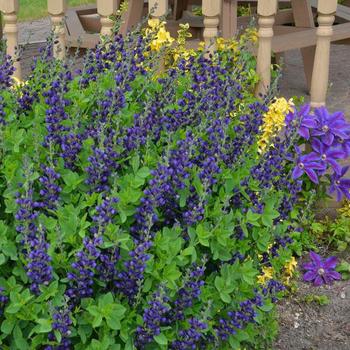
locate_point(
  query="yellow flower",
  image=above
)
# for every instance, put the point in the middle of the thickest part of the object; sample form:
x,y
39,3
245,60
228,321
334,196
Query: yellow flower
x,y
345,210
274,121
291,265
154,23
289,269
267,274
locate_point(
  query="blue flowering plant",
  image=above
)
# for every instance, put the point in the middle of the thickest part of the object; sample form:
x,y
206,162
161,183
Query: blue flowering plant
x,y
137,209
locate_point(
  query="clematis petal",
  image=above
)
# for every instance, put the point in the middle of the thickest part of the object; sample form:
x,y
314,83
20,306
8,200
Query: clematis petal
x,y
315,258
345,192
317,145
304,132
312,175
309,122
335,153
328,139
339,195
335,275
344,170
297,172
331,262
308,266
318,281
310,276
336,166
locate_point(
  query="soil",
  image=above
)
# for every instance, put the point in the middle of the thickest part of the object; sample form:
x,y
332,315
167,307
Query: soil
x,y
310,326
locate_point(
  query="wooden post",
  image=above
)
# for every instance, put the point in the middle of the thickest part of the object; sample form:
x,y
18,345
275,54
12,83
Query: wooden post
x,y
57,9
158,8
107,8
9,8
132,16
266,11
228,21
211,11
326,15
303,17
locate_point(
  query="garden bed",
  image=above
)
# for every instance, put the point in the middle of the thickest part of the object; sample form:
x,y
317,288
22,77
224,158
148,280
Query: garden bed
x,y
151,201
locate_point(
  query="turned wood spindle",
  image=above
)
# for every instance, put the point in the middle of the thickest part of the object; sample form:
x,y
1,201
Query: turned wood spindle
x,y
158,8
211,11
106,9
266,11
57,9
319,84
10,8
228,21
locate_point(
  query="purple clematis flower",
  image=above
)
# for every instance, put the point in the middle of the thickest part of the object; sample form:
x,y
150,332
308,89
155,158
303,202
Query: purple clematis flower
x,y
340,185
307,122
328,155
307,164
303,120
330,125
344,145
321,271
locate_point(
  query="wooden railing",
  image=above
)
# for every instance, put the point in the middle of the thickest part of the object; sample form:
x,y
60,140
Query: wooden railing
x,y
212,13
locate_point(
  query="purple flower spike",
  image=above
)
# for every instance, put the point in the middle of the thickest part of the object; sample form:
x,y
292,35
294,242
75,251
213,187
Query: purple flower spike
x,y
321,271
339,185
328,155
308,164
330,125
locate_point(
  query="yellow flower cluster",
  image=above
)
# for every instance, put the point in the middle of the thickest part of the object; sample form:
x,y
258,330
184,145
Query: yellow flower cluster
x,y
266,275
289,269
226,44
250,35
345,210
180,50
161,37
274,121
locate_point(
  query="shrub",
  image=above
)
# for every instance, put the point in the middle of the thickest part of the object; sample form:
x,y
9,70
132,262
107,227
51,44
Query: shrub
x,y
143,208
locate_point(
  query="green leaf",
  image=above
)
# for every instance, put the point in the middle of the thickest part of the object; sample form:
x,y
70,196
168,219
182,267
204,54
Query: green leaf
x,y
135,163
143,172
20,342
44,325
203,235
161,339
7,326
253,218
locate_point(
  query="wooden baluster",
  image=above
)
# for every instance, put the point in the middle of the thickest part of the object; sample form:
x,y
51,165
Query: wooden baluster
x,y
211,11
229,18
303,17
57,9
266,11
132,16
319,84
9,8
158,8
107,8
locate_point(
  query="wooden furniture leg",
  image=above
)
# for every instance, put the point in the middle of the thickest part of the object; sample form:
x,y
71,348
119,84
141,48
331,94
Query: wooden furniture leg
x,y
228,21
106,8
57,9
266,11
133,15
10,8
179,7
319,84
211,12
303,17
158,8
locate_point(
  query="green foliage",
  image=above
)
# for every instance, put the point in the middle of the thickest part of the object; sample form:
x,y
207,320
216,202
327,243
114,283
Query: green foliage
x,y
231,242
318,299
